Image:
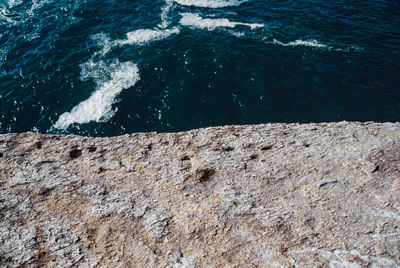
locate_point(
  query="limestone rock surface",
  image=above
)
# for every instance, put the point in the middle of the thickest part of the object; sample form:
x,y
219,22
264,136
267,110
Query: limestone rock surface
x,y
275,195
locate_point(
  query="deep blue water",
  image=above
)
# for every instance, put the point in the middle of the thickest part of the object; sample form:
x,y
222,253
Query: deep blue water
x,y
110,67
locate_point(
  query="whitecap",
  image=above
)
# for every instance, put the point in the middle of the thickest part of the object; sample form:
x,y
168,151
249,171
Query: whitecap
x,y
196,21
210,3
16,12
36,4
110,80
14,16
99,71
316,44
164,14
237,34
13,3
307,43
104,41
98,107
143,36
137,37
5,16
3,55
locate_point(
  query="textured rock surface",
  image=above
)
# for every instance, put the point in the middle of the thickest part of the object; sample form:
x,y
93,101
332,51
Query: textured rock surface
x,y
274,195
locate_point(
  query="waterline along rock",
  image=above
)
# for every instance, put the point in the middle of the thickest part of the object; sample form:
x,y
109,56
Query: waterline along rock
x,y
275,195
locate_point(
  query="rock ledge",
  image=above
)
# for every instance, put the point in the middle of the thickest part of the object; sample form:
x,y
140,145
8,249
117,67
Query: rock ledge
x,y
276,195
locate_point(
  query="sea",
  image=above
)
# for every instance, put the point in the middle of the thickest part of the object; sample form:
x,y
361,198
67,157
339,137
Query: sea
x,y
112,67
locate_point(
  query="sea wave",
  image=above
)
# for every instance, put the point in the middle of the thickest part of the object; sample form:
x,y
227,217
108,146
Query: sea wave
x,y
13,3
142,36
16,12
210,3
306,43
137,37
194,20
318,45
164,14
110,80
98,107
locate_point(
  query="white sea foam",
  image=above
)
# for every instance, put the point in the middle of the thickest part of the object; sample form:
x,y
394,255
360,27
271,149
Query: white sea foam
x,y
99,71
3,56
36,4
98,107
237,34
196,21
143,36
110,80
164,14
138,37
13,3
307,43
19,12
104,41
316,44
5,16
210,3
20,15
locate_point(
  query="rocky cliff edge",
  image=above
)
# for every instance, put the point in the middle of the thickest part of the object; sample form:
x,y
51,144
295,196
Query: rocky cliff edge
x,y
276,195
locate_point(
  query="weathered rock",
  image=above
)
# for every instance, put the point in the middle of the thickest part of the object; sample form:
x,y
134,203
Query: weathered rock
x,y
277,195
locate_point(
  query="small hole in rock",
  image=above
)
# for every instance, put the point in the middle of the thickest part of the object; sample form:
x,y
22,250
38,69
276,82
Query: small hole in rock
x,y
39,145
253,156
266,148
45,192
205,175
100,170
227,148
92,149
185,158
376,169
306,145
75,153
310,222
1,154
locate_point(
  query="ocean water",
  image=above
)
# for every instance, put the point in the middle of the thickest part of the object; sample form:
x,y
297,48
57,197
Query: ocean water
x,y
107,67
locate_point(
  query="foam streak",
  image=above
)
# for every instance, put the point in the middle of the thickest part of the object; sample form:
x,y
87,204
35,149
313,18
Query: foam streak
x,y
196,21
164,14
98,107
309,43
143,36
209,3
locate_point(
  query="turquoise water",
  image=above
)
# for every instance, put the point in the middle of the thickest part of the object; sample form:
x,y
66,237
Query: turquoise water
x,y
105,68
